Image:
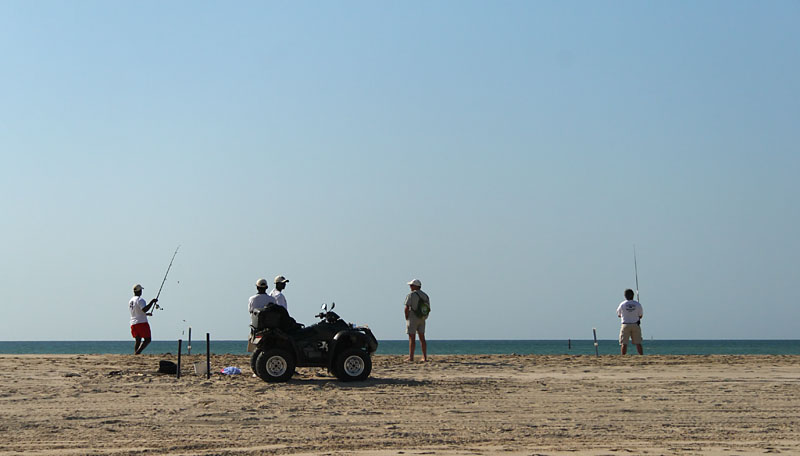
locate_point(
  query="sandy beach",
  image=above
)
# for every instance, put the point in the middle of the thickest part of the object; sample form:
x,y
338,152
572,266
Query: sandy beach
x,y
452,405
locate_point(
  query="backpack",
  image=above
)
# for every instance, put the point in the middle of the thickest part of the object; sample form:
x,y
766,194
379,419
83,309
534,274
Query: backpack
x,y
273,316
423,307
268,317
167,367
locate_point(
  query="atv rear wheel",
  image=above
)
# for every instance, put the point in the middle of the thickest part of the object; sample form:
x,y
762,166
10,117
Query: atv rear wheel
x,y
253,359
275,365
353,364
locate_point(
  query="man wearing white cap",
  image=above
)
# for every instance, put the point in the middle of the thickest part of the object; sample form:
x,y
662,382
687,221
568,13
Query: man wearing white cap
x,y
417,306
261,299
277,292
140,328
258,301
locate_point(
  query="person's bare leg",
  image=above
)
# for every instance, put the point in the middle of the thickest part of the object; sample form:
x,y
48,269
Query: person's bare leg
x,y
136,345
424,346
640,349
623,349
144,345
411,346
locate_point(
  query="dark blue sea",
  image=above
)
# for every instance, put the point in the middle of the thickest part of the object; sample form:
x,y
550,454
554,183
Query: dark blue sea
x,y
436,347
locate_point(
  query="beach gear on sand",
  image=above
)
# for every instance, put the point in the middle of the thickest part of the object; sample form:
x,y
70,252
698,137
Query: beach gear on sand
x,y
230,370
167,367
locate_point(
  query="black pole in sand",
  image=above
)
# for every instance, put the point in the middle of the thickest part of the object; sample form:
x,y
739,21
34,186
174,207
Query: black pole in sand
x,y
178,374
208,355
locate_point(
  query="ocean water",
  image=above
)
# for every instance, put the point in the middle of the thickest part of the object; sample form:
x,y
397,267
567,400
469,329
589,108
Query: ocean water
x,y
435,347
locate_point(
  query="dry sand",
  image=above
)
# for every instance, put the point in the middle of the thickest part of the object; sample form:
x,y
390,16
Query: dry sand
x,y
452,405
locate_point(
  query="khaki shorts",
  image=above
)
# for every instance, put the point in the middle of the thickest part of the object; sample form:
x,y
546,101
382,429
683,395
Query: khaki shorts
x,y
631,330
415,325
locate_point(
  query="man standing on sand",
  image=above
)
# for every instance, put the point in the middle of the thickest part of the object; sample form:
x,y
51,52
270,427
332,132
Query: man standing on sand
x,y
140,328
415,324
277,292
630,312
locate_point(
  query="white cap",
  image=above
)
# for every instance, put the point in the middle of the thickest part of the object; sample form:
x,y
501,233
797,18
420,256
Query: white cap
x,y
415,282
281,279
137,287
261,283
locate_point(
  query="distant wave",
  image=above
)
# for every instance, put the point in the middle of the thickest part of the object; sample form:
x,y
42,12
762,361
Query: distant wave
x,y
441,347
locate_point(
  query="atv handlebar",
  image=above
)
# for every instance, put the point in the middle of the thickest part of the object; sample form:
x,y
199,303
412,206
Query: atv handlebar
x,y
329,315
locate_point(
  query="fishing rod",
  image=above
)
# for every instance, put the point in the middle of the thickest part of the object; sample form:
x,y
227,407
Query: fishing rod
x,y
165,278
636,271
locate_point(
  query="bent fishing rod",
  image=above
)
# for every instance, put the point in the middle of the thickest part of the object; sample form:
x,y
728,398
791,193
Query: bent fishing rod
x,y
165,278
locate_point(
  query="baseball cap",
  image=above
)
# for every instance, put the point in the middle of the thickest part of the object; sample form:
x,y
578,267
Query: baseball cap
x,y
261,283
281,279
415,282
137,287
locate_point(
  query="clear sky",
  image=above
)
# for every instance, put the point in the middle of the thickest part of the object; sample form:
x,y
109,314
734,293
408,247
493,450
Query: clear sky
x,y
508,154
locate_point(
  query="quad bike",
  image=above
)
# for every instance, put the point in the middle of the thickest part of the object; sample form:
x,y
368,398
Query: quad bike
x,y
282,344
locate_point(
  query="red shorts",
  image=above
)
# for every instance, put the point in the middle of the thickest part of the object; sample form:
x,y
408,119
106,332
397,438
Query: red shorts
x,y
141,330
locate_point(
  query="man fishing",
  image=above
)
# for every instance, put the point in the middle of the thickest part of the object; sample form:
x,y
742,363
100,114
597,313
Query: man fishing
x,y
140,328
630,312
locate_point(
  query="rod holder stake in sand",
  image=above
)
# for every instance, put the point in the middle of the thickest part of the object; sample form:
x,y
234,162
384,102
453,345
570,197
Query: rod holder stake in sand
x,y
596,350
178,374
208,355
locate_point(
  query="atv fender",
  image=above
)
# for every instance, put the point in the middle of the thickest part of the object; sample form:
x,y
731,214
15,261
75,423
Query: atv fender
x,y
275,338
348,338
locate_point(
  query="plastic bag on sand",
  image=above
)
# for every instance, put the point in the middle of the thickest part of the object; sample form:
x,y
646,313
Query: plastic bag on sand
x,y
230,370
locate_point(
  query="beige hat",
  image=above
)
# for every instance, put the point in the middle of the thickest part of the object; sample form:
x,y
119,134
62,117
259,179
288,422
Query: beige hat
x,y
261,283
415,282
137,287
281,279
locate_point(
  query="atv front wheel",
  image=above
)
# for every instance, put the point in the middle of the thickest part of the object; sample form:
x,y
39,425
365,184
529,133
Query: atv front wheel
x,y
275,365
353,365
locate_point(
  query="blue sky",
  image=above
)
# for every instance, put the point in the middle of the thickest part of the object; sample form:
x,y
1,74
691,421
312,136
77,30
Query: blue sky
x,y
508,154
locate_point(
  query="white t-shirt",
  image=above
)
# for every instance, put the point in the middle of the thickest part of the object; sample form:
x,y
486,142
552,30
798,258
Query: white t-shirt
x,y
279,298
629,312
259,301
136,305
